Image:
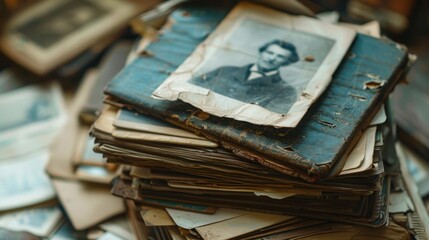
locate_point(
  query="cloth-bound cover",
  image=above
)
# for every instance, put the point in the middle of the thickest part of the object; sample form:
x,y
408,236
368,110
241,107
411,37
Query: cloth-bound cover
x,y
317,147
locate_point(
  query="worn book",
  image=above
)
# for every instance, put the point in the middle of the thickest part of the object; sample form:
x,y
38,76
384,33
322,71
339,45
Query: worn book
x,y
227,223
173,169
315,149
184,161
164,206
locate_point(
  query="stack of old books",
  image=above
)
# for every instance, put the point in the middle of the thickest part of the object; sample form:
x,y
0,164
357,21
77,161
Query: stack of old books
x,y
275,128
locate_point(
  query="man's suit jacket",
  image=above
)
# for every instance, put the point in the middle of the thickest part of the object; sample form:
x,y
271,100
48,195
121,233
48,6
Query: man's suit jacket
x,y
270,92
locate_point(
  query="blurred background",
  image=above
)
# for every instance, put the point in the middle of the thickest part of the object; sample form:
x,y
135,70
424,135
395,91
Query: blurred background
x,y
52,91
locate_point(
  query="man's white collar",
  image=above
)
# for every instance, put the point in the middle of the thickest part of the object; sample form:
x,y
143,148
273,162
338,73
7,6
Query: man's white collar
x,y
254,73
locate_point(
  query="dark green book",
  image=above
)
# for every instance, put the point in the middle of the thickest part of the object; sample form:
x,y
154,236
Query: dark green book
x,y
316,148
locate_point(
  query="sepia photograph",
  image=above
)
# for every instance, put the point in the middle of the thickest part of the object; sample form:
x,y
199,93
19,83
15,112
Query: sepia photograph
x,y
52,32
272,79
270,72
59,23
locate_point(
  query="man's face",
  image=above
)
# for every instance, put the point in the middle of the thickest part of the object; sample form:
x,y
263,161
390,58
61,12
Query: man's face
x,y
273,58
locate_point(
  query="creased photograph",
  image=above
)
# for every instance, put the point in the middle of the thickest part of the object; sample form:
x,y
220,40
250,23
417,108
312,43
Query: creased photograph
x,y
272,79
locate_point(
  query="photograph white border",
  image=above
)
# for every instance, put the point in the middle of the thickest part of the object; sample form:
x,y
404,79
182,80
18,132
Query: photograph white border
x,y
177,86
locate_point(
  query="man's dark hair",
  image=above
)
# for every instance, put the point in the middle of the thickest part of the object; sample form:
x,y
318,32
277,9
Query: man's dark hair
x,y
286,45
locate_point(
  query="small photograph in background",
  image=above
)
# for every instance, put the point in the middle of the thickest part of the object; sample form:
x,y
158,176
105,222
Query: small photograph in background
x,y
50,33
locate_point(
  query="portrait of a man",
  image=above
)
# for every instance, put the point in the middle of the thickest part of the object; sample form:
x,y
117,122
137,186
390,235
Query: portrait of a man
x,y
259,69
257,83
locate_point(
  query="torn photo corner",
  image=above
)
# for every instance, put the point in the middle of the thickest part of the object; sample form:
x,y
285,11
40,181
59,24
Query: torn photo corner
x,y
260,66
